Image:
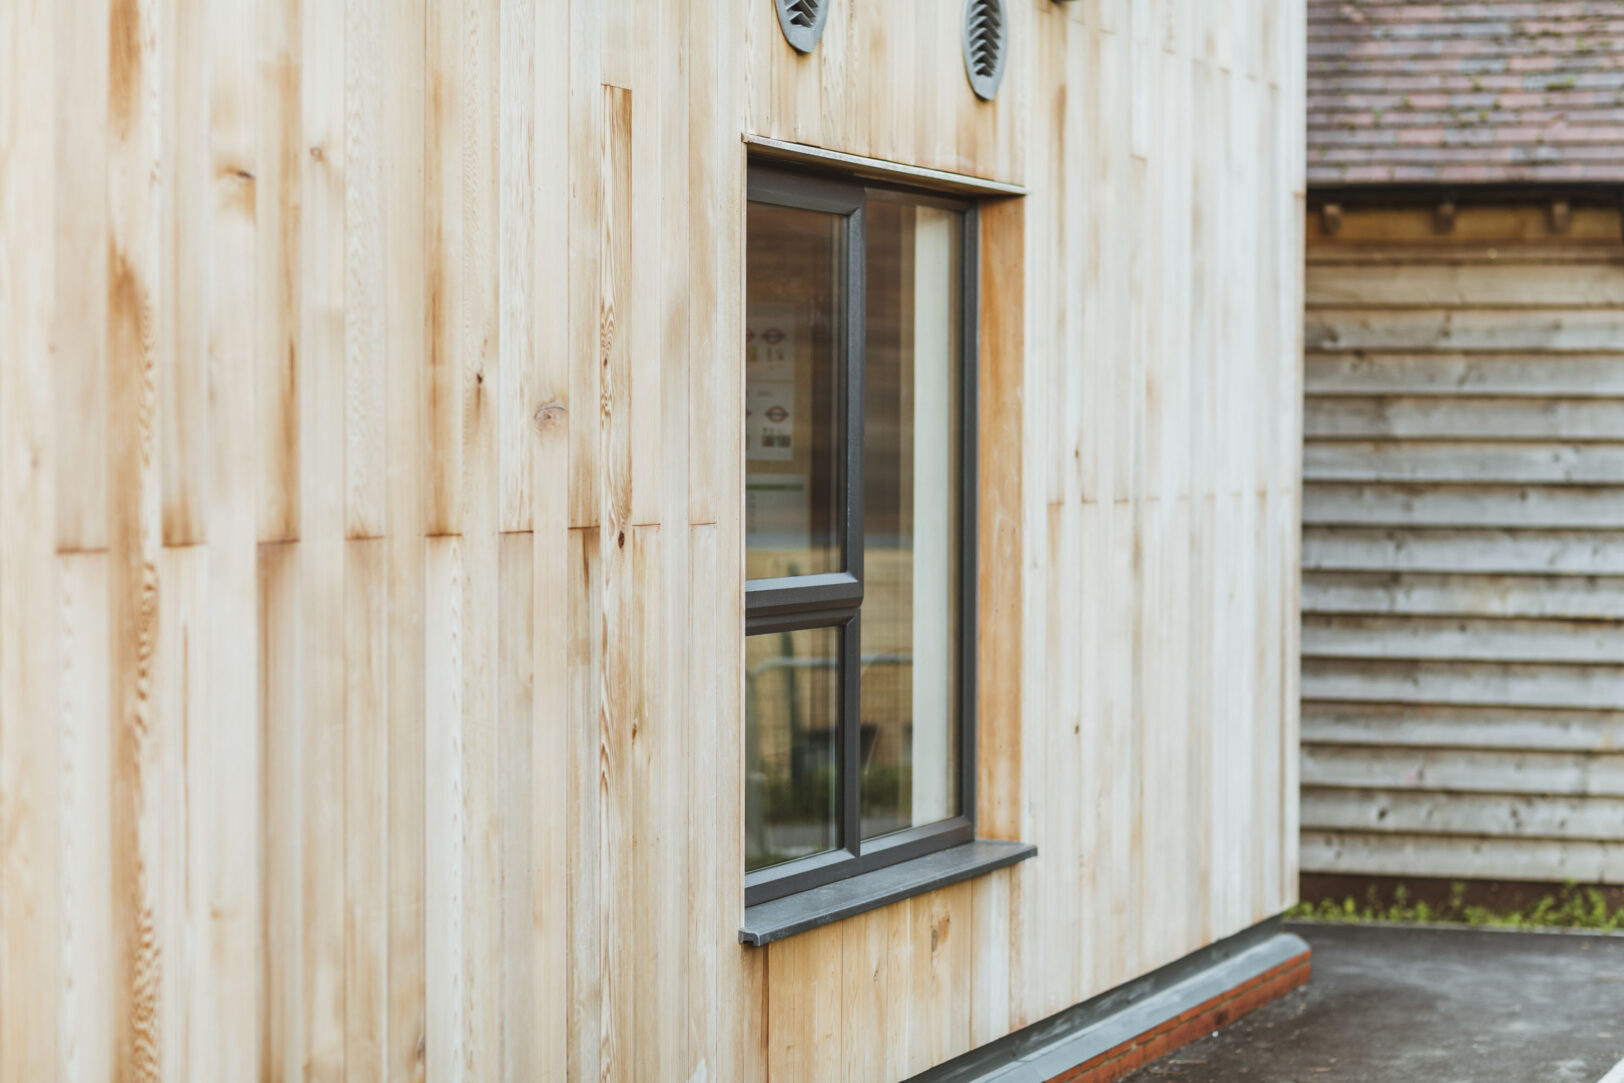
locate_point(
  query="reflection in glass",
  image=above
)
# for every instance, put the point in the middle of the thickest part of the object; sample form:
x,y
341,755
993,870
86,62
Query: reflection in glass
x,y
909,733
792,725
792,361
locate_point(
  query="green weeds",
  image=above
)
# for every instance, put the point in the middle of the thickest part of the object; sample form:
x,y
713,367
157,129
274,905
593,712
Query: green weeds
x,y
1573,907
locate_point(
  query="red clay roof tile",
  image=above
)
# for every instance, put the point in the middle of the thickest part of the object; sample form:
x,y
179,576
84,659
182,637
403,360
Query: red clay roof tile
x,y
1466,91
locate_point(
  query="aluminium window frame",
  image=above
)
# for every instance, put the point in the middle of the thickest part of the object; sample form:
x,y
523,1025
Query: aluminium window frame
x,y
834,599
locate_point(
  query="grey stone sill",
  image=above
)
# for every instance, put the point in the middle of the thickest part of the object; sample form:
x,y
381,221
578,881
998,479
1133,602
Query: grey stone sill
x,y
769,921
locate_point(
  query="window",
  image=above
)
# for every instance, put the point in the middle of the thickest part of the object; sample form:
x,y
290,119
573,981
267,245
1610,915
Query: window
x,y
859,525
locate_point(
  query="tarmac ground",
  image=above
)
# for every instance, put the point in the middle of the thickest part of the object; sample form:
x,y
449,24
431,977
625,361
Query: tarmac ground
x,y
1426,1005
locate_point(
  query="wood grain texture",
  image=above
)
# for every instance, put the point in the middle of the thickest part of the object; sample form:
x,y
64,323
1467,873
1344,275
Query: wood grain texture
x,y
277,68
1413,229
1460,632
371,418
1443,855
621,691
1554,462
444,314
1541,816
522,102
1394,725
999,520
804,991
584,257
445,812
741,1005
365,793
401,51
134,539
183,342
80,314
322,481
232,809
182,700
584,604
86,994
875,992
366,299
552,603
480,402
282,841
680,1045
524,1037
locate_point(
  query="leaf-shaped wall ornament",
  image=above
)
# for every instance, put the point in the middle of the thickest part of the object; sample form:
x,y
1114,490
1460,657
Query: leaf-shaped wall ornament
x,y
802,21
986,45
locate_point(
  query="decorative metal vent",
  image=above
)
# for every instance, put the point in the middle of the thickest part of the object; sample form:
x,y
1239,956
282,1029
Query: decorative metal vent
x,y
986,45
803,21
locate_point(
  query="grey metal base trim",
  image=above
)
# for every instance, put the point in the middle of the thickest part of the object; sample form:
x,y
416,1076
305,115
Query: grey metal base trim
x,y
769,921
1084,1031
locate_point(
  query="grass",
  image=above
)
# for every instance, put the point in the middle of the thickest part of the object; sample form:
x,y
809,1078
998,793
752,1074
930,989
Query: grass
x,y
1573,907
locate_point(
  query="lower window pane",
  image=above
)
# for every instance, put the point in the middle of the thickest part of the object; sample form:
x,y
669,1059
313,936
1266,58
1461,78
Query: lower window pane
x,y
792,739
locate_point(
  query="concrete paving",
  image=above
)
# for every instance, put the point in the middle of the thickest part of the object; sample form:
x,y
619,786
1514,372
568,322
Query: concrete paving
x,y
1422,1005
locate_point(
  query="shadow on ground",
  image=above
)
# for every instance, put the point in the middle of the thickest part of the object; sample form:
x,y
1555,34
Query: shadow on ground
x,y
1405,1005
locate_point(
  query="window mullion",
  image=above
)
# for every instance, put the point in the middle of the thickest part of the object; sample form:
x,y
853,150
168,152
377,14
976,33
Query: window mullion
x,y
856,299
851,825
969,425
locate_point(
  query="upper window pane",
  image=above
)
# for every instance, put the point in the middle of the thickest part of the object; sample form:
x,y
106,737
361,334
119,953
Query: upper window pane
x,y
912,374
793,362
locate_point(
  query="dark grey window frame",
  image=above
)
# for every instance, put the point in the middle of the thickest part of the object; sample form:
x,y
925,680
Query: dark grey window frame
x,y
835,599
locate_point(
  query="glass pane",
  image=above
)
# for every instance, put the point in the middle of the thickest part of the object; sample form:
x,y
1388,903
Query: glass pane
x,y
791,744
909,733
792,392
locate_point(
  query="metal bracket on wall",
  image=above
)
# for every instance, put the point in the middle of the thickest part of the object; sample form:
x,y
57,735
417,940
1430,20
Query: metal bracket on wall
x,y
802,22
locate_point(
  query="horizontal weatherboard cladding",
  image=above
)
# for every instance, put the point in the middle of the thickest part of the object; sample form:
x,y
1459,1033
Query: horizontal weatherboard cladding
x,y
1463,552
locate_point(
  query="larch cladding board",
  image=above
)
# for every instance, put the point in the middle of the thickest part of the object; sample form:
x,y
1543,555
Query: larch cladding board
x,y
371,559
1463,539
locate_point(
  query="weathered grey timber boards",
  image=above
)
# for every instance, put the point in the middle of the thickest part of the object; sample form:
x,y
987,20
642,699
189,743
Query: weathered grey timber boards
x,y
1463,538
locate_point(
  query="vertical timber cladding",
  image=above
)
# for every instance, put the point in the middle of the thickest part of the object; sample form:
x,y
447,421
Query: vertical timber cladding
x,y
1153,681
370,564
1463,546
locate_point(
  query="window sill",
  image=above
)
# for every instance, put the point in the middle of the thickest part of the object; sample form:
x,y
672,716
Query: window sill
x,y
769,921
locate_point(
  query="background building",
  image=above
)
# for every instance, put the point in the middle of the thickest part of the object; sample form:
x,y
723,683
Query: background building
x,y
1463,537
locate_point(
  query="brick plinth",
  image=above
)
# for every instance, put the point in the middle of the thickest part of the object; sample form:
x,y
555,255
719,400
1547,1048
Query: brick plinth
x,y
1200,1020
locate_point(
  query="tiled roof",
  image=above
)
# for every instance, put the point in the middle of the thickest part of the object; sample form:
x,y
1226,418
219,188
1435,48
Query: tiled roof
x,y
1465,91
